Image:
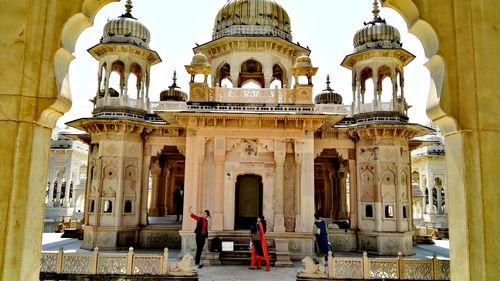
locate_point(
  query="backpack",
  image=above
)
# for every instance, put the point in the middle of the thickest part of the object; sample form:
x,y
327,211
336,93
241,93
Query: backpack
x,y
216,245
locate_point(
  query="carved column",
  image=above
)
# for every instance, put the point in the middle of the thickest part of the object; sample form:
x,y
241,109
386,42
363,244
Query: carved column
x,y
279,159
155,171
307,184
298,165
343,214
68,178
58,191
353,192
143,200
219,158
193,146
52,179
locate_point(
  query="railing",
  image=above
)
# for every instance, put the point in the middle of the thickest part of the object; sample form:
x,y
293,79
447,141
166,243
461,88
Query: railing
x,y
383,106
333,108
105,263
169,106
387,268
252,30
122,101
241,95
96,263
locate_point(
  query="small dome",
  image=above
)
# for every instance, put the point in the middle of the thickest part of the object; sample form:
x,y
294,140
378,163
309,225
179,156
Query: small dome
x,y
252,18
328,95
377,34
173,93
126,29
303,61
200,59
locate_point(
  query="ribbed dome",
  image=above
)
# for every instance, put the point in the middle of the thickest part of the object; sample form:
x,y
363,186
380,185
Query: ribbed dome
x,y
252,18
126,29
200,59
173,93
377,34
328,96
303,61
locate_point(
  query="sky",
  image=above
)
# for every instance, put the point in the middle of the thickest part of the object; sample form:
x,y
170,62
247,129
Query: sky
x,y
326,26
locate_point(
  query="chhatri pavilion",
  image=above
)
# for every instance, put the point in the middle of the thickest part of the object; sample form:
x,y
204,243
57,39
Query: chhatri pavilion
x,y
250,139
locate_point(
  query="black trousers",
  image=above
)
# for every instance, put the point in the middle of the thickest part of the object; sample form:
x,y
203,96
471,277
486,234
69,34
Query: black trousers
x,y
200,243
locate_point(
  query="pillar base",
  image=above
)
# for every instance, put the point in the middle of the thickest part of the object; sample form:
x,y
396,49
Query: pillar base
x,y
386,243
109,238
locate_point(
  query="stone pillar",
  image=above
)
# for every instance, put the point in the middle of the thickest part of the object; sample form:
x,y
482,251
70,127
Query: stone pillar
x,y
439,200
68,178
58,191
429,196
307,183
279,159
219,158
156,172
343,214
353,193
298,166
146,165
193,145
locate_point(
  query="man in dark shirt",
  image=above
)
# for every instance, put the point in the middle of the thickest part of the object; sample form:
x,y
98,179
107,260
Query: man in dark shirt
x,y
179,202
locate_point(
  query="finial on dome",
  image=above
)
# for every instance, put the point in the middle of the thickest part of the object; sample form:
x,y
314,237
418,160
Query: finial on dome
x,y
328,82
174,85
375,10
128,6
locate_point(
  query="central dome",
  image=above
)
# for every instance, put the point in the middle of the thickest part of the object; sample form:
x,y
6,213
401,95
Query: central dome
x,y
252,18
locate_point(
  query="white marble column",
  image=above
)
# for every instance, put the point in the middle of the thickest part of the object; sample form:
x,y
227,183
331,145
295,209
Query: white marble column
x,y
68,179
58,191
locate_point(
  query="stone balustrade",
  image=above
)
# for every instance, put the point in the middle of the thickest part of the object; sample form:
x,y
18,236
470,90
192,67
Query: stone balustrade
x,y
242,95
364,268
97,263
382,106
122,101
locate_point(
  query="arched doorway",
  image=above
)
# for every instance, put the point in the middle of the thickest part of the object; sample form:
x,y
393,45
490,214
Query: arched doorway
x,y
248,200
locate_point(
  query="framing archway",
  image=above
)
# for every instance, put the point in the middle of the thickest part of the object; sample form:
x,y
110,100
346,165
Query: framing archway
x,y
470,258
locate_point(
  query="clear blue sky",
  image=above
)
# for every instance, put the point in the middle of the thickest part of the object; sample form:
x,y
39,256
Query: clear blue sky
x,y
326,26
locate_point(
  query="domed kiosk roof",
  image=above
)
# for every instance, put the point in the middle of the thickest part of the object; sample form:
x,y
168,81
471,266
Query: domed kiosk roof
x,y
376,34
328,95
173,93
254,18
126,29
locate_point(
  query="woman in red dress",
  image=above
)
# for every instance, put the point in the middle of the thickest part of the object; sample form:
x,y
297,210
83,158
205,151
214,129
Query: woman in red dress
x,y
259,245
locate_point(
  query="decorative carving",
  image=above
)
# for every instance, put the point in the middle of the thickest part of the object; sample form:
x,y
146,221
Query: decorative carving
x,y
48,262
417,270
251,149
76,264
368,154
391,245
348,269
147,265
383,269
311,269
184,266
111,264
